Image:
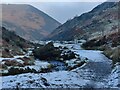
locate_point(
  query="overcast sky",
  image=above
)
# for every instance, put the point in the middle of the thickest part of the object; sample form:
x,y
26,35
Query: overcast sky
x,y
62,10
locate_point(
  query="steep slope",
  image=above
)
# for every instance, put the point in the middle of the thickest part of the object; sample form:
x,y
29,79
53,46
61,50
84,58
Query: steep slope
x,y
27,21
103,19
12,44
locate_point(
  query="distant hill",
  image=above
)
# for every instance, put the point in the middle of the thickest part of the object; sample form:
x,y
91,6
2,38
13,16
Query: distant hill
x,y
27,21
100,21
12,44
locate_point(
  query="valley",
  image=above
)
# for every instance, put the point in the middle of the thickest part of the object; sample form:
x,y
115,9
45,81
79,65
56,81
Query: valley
x,y
39,52
95,73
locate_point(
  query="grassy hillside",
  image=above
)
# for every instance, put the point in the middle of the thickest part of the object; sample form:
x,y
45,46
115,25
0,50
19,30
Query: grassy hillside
x,y
110,44
12,44
100,21
27,21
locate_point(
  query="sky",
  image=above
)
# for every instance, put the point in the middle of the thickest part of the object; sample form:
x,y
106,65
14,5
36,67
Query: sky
x,y
61,10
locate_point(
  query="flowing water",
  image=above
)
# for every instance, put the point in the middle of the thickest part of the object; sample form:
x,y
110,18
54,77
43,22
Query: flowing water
x,y
58,65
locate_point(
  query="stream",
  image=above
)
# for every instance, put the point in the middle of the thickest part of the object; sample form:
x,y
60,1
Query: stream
x,y
58,65
95,73
98,66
